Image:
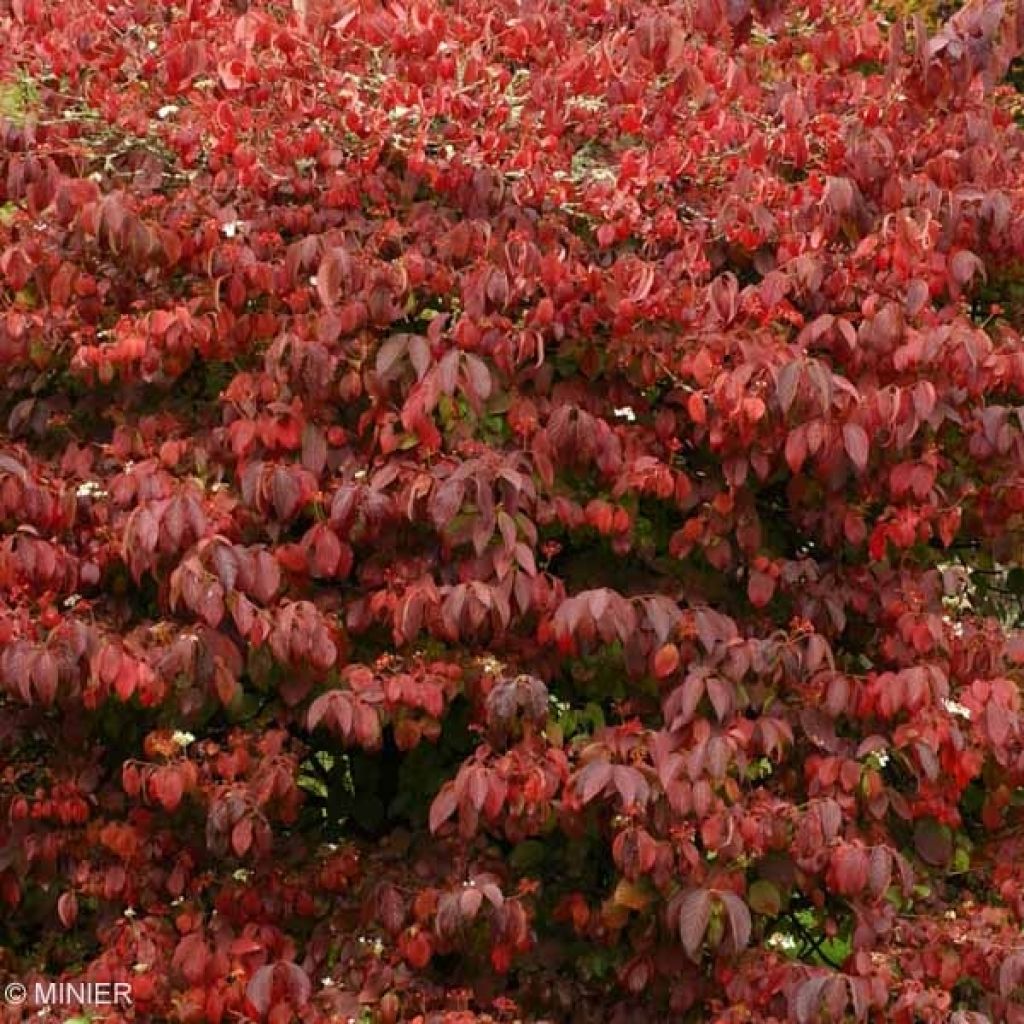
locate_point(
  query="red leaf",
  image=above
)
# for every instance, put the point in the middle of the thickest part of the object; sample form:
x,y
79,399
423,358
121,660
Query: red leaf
x,y
738,915
592,779
241,837
855,440
285,493
67,908
796,449
963,266
760,588
259,991
443,807
666,661
933,842
694,916
168,788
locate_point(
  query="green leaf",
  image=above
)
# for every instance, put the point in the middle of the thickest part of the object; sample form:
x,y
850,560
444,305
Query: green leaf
x,y
764,898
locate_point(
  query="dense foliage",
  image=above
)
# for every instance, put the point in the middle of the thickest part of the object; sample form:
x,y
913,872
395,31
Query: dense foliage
x,y
512,509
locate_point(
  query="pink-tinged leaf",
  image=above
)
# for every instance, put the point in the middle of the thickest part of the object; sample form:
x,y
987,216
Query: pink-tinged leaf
x,y
443,807
127,678
266,578
232,74
285,493
241,837
917,296
879,870
997,723
67,908
478,376
963,266
324,551
314,449
807,1000
169,788
831,817
786,384
259,991
738,915
190,958
334,277
631,785
246,946
760,588
592,779
1011,973
694,917
722,696
389,356
796,449
470,902
855,441
44,678
390,909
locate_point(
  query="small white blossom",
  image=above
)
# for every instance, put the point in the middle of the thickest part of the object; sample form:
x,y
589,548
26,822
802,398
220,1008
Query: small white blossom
x,y
230,229
183,739
955,708
783,942
90,489
626,413
164,112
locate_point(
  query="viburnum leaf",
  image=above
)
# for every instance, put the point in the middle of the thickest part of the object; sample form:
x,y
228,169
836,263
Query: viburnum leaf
x,y
764,898
738,915
443,806
855,440
694,916
933,842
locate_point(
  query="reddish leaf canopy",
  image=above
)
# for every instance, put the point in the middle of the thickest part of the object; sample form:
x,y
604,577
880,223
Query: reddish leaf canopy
x,y
512,511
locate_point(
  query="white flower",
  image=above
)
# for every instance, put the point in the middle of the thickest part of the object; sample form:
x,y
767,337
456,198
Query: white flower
x,y
166,111
183,739
90,489
626,413
782,941
955,708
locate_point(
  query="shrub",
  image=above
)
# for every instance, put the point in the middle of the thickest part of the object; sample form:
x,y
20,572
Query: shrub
x,y
512,510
